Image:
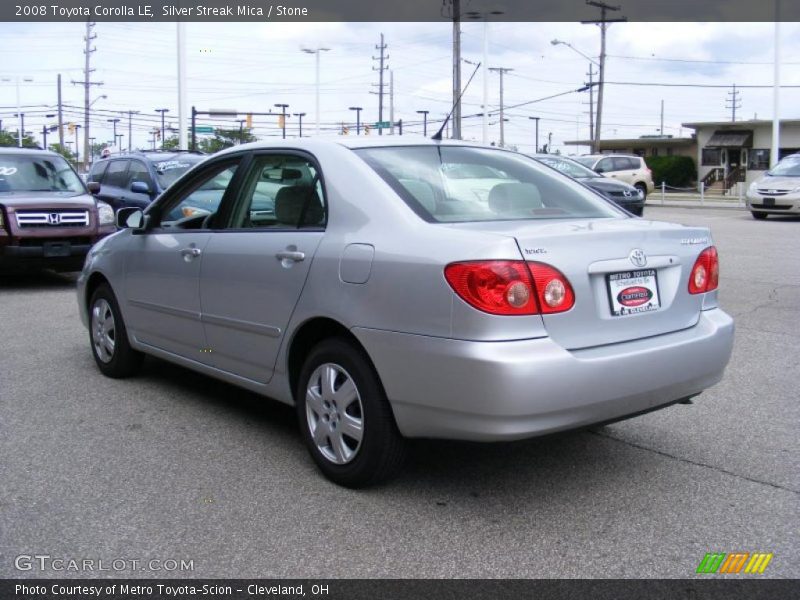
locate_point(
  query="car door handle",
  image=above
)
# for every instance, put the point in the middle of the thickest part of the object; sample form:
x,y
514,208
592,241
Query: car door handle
x,y
291,255
190,253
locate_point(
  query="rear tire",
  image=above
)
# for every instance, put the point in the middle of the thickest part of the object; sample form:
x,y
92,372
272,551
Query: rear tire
x,y
108,337
345,418
759,216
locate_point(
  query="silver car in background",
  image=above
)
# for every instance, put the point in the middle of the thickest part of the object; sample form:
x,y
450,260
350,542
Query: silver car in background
x,y
386,303
777,192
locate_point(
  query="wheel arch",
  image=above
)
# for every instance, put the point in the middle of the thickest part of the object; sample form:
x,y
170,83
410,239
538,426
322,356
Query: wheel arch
x,y
309,334
95,280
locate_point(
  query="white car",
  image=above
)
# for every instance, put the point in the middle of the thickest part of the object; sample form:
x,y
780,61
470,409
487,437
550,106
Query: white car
x,y
778,191
623,167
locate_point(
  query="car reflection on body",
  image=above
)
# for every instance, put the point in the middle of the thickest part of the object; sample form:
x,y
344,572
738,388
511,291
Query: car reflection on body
x,y
384,305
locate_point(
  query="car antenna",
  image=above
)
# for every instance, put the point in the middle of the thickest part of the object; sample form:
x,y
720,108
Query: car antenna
x,y
438,135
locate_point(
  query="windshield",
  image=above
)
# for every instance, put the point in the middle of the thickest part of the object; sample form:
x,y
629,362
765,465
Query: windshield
x,y
788,167
168,171
519,187
570,167
586,161
42,173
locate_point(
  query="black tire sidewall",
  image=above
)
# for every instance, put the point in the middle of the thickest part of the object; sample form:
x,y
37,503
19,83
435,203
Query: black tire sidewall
x,y
380,432
125,360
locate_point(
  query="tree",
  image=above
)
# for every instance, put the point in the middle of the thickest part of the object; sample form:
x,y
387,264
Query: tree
x,y
63,151
171,143
9,139
225,138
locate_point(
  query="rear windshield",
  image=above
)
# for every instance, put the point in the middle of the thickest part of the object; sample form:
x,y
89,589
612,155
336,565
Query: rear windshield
x,y
19,173
168,171
491,185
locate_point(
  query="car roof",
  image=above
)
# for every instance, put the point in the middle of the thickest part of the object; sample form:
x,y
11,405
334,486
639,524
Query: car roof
x,y
31,151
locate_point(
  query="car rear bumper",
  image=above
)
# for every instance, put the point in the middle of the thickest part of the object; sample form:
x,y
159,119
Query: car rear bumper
x,y
491,391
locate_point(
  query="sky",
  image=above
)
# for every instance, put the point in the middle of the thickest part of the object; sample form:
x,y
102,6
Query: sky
x,y
250,67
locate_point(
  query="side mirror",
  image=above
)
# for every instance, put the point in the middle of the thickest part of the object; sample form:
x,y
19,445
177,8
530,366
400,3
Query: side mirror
x,y
93,187
130,217
600,170
140,187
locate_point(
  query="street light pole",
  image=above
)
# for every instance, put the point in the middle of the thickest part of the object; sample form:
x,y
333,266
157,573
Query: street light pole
x,y
283,108
20,116
424,114
358,110
300,117
114,122
77,142
537,131
316,52
162,111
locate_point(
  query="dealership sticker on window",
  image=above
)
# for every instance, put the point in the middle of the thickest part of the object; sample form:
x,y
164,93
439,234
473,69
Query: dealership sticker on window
x,y
8,170
633,292
171,164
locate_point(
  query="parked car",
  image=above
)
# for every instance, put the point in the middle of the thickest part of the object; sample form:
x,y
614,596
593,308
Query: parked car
x,y
624,195
48,219
623,167
137,178
384,308
777,192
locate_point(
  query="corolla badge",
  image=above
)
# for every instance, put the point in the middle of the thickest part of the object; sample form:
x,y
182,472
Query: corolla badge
x,y
638,257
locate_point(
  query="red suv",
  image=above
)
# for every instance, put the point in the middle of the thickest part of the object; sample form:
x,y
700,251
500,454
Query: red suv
x,y
48,218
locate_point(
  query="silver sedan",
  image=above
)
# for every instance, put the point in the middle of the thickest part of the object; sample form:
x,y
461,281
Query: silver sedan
x,y
387,297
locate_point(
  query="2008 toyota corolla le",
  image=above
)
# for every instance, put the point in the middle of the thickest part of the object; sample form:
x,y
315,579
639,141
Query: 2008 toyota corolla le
x,y
387,299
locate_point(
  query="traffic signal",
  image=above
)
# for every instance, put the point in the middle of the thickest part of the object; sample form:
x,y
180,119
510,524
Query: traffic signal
x,y
281,121
71,127
345,131
366,129
248,121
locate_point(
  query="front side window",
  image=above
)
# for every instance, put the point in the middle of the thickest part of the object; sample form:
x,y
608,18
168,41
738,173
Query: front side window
x,y
116,173
202,198
521,189
20,173
283,192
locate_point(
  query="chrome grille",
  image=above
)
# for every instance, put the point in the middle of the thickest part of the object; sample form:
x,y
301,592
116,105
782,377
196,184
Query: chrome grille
x,y
771,192
55,218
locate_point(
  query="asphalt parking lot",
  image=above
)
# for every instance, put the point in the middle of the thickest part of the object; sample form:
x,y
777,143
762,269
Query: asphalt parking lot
x,y
172,465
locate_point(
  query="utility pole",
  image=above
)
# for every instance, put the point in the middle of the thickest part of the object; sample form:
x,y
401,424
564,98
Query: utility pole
x,y
163,111
130,127
87,83
391,102
300,121
603,22
661,130
591,75
241,129
456,119
77,143
381,68
182,104
501,71
60,115
733,102
537,131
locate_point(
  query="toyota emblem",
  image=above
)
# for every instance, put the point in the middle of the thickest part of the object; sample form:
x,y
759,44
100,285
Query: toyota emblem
x,y
638,257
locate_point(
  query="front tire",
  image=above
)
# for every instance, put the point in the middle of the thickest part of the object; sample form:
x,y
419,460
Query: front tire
x,y
759,216
108,337
642,188
345,418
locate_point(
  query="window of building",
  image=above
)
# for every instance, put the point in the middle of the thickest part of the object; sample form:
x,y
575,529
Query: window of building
x,y
653,151
759,159
669,151
712,157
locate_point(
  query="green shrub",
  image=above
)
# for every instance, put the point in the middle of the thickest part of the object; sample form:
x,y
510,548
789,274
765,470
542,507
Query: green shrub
x,y
675,171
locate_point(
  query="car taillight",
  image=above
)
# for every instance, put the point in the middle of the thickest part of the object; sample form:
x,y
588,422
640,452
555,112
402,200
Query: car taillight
x,y
498,287
705,272
510,287
553,291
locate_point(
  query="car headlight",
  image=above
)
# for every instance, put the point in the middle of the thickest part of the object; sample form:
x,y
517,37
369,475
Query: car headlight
x,y
105,213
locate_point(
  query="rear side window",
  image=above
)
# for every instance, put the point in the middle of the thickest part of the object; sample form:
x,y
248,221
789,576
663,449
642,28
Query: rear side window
x,y
138,172
116,173
492,185
97,172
